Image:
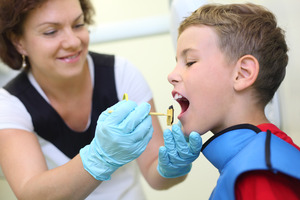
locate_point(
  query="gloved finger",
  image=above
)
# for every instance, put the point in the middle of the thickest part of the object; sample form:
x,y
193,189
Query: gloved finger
x,y
163,157
179,124
149,134
140,140
143,131
169,142
181,144
195,143
185,137
121,112
105,113
135,117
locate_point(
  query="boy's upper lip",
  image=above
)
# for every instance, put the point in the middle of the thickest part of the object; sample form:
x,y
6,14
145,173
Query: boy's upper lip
x,y
179,97
176,94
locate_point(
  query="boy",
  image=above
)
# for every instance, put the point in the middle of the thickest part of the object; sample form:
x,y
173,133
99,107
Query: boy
x,y
230,61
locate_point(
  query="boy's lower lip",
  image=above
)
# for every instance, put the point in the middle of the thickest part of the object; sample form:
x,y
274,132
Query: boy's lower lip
x,y
181,115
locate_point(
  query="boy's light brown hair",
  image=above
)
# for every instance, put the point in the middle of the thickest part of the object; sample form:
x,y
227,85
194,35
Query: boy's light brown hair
x,y
247,29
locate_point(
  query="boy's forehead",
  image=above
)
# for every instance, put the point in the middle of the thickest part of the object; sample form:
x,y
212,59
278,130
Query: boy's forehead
x,y
199,32
195,38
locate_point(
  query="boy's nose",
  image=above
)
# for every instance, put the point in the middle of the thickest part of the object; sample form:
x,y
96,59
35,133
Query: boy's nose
x,y
173,77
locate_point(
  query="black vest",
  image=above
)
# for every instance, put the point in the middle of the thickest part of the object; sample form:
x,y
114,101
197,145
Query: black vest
x,y
47,122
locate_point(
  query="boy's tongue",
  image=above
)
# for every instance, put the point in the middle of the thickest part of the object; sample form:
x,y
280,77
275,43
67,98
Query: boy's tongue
x,y
184,104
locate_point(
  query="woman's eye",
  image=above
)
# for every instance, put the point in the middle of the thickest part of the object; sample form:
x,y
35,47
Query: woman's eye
x,y
52,32
79,25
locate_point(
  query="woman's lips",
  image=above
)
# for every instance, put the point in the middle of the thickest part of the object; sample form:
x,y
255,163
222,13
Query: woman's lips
x,y
71,58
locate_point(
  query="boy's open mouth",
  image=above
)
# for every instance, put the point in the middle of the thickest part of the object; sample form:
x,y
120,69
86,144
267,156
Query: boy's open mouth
x,y
183,102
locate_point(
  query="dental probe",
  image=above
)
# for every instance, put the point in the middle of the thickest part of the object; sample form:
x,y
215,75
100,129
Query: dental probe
x,y
170,112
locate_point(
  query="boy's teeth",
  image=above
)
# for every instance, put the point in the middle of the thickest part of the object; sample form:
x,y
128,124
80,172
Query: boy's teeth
x,y
177,96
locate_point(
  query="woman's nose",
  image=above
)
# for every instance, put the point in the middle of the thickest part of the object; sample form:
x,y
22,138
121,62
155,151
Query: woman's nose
x,y
71,40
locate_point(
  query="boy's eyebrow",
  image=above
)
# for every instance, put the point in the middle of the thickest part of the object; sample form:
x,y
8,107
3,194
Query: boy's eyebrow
x,y
56,23
184,52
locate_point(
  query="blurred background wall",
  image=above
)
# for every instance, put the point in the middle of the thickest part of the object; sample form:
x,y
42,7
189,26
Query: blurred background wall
x,y
154,56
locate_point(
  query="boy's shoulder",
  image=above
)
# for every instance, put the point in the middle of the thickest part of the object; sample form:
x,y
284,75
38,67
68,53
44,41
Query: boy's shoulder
x,y
279,133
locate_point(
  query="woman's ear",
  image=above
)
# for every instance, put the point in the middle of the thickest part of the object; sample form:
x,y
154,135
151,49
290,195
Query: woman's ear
x,y
247,68
18,43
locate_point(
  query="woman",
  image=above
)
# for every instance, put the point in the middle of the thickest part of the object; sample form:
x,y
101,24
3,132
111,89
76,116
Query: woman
x,y
49,112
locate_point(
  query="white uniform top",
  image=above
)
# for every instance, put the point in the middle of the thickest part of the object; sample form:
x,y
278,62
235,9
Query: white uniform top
x,y
124,183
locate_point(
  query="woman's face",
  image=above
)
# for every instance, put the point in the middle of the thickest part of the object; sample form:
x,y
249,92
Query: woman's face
x,y
55,39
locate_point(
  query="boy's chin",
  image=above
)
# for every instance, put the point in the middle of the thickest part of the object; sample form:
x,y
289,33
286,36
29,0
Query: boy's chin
x,y
186,132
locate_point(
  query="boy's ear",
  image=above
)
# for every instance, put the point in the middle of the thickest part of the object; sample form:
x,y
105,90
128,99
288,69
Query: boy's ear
x,y
247,68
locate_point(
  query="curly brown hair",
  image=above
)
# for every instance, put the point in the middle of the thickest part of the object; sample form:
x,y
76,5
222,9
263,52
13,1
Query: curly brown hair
x,y
247,29
13,13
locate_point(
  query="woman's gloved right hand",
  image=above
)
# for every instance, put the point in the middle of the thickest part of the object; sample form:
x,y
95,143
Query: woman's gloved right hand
x,y
120,137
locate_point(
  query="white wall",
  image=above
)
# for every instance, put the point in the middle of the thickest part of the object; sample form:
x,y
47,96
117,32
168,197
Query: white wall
x,y
155,58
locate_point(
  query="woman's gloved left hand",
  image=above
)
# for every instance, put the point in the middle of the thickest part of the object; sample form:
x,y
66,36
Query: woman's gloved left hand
x,y
176,157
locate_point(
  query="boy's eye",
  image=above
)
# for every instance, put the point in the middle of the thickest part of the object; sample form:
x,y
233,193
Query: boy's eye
x,y
190,63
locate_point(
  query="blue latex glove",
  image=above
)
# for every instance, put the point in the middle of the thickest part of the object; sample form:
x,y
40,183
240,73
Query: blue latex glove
x,y
176,157
120,137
